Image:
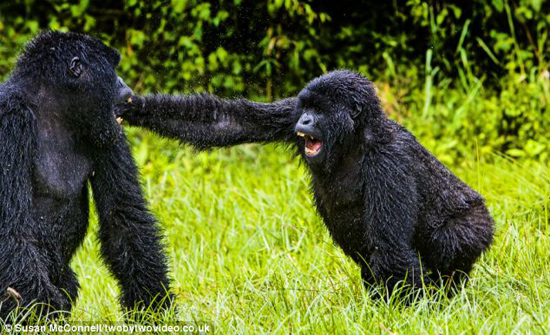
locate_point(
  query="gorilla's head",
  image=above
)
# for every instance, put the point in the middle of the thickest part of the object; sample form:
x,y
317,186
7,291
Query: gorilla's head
x,y
74,75
335,109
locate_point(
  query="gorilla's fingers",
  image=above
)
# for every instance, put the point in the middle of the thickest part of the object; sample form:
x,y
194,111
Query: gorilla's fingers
x,y
132,106
12,293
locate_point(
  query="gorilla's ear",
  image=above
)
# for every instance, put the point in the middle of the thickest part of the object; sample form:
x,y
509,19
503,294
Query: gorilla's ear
x,y
355,101
76,67
356,111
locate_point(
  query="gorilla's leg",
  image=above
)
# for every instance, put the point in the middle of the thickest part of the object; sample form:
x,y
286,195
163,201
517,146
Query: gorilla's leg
x,y
453,248
394,270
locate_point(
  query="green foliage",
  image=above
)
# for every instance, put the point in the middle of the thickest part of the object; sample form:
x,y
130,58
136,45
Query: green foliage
x,y
461,74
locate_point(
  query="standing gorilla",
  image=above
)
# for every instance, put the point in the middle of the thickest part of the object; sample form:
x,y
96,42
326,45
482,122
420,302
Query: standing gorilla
x,y
384,198
57,132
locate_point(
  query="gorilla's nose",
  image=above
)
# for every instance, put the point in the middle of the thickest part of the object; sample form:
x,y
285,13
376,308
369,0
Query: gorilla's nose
x,y
124,92
306,120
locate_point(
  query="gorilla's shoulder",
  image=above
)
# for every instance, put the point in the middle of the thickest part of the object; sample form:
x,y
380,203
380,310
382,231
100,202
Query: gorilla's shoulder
x,y
402,139
398,132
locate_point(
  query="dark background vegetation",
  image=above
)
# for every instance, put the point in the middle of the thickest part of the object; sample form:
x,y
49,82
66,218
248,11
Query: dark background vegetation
x,y
465,76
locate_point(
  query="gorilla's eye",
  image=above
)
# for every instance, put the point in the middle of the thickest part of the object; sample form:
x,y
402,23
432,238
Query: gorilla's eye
x,y
76,67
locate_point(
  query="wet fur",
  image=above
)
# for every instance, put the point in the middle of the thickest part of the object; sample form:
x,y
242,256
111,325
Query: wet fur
x,y
391,206
57,134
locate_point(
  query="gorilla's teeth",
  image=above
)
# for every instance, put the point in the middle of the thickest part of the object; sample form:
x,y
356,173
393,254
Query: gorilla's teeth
x,y
310,152
300,134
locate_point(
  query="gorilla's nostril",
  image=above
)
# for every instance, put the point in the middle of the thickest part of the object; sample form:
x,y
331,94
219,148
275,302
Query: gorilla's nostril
x,y
306,120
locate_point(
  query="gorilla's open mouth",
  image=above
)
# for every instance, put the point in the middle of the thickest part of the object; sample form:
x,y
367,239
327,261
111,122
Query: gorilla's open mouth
x,y
313,145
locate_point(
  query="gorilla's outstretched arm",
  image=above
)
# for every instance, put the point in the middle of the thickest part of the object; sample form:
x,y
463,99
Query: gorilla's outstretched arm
x,y
130,240
207,121
23,262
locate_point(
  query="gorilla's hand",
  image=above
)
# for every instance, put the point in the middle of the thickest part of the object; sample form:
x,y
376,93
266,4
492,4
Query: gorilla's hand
x,y
132,106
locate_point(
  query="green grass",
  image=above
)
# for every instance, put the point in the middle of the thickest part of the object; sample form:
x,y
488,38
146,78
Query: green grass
x,y
249,254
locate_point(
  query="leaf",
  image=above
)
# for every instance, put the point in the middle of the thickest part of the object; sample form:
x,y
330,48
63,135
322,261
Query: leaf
x,y
515,153
498,4
536,4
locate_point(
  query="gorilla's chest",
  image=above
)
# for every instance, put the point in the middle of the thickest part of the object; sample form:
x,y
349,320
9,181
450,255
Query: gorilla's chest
x,y
339,199
61,169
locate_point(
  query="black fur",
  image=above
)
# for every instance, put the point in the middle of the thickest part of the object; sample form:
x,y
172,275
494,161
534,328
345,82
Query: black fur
x,y
384,198
57,133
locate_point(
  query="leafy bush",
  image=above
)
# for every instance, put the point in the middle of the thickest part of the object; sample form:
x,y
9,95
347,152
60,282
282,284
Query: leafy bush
x,y
463,75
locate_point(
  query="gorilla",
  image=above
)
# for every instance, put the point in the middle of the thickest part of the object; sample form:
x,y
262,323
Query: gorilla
x,y
392,207
57,134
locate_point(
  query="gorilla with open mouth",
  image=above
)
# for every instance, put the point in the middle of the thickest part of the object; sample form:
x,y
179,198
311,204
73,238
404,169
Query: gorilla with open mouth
x,y
392,207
